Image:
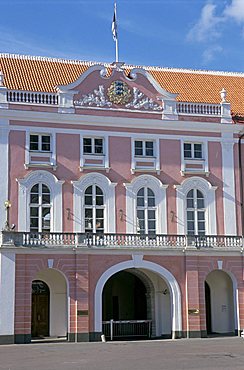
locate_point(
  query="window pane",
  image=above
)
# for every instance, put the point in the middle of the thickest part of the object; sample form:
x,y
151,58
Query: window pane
x,y
88,220
46,199
201,216
151,214
149,148
138,147
190,203
46,143
45,189
87,145
187,150
33,142
99,146
46,219
190,194
151,226
88,196
190,228
89,190
190,216
150,198
98,191
34,211
198,151
88,200
34,198
34,223
99,213
140,201
35,189
140,214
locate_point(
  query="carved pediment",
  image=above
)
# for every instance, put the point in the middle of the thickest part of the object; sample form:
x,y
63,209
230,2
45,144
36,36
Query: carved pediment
x,y
95,88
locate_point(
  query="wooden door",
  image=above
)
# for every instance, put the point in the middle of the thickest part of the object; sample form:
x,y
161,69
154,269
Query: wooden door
x,y
40,309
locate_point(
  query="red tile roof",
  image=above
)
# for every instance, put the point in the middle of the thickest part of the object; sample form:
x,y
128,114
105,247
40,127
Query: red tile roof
x,y
44,74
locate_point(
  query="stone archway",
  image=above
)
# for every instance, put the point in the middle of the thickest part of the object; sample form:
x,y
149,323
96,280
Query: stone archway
x,y
138,263
220,303
58,301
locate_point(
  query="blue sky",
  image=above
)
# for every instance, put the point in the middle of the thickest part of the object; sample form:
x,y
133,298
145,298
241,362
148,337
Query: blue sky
x,y
197,34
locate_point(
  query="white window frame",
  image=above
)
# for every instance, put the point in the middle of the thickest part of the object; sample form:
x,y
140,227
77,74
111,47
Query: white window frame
x,y
93,155
108,189
39,206
40,153
155,159
196,212
25,186
198,161
208,192
159,190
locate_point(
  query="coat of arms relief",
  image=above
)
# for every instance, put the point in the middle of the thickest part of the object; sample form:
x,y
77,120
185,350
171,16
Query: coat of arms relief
x,y
118,93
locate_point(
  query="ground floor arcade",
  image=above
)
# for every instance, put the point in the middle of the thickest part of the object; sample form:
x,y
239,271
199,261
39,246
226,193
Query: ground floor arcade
x,y
80,296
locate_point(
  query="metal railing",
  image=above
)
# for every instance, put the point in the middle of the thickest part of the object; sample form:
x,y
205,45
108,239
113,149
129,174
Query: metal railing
x,y
118,329
109,240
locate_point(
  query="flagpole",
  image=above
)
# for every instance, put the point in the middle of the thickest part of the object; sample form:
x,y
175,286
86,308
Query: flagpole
x,y
116,41
115,33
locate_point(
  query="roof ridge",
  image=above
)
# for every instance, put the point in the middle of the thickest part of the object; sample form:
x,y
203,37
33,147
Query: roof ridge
x,y
130,66
186,70
49,59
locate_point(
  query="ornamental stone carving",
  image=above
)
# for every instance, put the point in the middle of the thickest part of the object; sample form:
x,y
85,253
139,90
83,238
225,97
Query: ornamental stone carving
x,y
118,93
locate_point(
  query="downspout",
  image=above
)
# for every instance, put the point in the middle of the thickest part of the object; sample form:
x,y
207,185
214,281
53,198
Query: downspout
x,y
241,183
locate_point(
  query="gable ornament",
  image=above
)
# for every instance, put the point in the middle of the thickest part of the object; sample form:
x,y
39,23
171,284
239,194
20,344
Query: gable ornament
x,y
118,93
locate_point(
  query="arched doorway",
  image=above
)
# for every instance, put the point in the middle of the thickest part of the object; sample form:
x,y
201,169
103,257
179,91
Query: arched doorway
x,y
124,297
163,297
56,310
219,303
40,309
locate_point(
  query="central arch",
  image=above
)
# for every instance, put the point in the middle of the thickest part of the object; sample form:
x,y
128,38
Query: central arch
x,y
138,263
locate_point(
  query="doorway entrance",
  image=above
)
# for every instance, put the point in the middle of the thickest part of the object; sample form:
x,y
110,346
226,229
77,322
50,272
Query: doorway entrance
x,y
40,309
219,303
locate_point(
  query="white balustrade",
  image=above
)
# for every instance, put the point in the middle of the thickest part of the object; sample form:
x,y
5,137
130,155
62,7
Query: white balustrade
x,y
199,109
31,97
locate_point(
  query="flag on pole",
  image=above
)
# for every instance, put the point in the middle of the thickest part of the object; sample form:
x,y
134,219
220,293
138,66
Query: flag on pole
x,y
114,24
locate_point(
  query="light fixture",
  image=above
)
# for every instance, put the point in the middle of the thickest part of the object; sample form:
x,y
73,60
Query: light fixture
x,y
121,214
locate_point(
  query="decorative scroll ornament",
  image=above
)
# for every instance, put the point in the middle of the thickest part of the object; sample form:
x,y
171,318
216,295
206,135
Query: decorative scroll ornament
x,y
141,101
119,92
96,98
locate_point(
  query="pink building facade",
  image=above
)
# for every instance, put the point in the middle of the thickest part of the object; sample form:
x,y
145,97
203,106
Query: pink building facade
x,y
119,200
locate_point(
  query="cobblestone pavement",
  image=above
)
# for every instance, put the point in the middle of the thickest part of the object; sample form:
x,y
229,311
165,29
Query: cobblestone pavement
x,y
200,354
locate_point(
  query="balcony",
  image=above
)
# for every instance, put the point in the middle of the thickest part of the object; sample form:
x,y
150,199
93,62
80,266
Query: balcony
x,y
121,241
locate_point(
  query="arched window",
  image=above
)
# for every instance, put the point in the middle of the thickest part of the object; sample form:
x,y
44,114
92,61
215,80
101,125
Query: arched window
x,y
146,211
94,209
195,212
40,208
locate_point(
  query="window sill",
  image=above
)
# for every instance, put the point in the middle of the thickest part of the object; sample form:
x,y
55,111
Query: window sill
x,y
145,169
96,168
41,165
195,172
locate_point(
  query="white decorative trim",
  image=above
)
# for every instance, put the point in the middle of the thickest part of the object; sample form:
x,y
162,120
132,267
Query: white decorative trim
x,y
175,294
160,199
220,265
55,187
228,174
208,191
50,263
4,149
103,158
51,155
108,189
203,162
155,160
7,293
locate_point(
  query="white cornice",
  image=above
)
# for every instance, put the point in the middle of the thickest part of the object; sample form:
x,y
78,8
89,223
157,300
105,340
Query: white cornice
x,y
122,122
